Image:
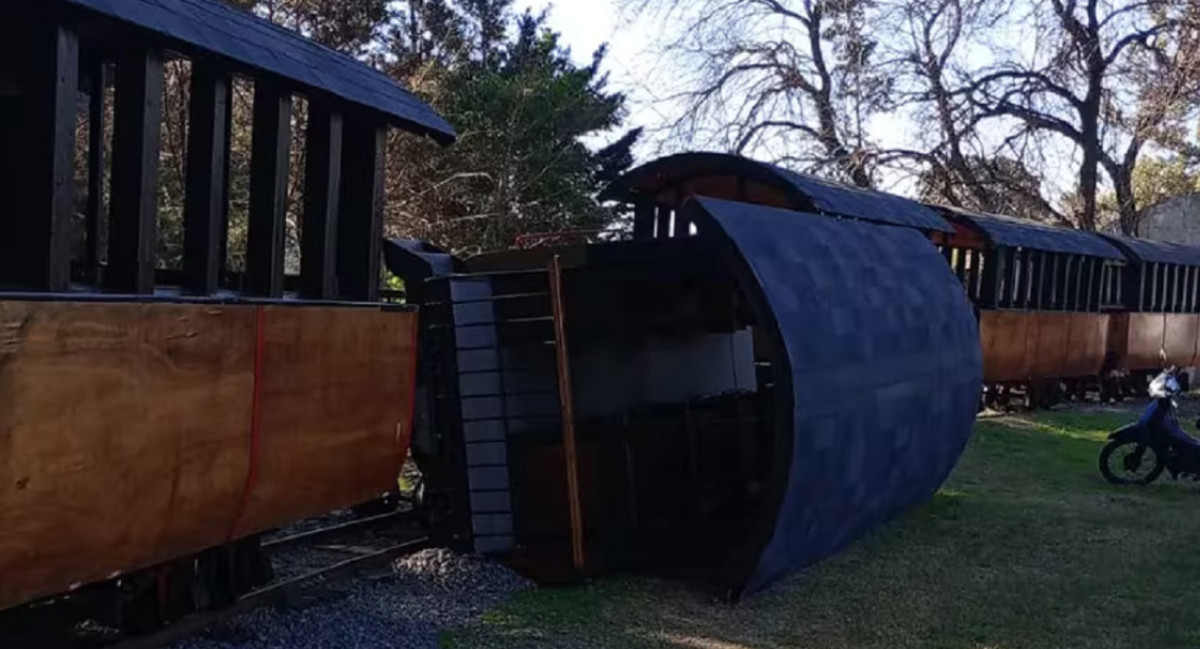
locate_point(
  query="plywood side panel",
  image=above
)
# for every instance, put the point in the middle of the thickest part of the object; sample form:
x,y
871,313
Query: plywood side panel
x,y
122,437
1047,348
1087,344
1146,338
1180,335
1004,337
335,402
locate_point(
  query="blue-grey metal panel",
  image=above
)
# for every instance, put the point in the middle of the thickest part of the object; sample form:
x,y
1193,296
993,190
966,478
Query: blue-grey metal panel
x,y
491,502
487,454
215,27
493,544
803,190
862,204
878,360
1023,233
492,524
1158,252
488,479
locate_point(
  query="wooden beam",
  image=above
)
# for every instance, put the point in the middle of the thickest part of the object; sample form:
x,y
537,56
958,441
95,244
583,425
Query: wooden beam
x,y
204,203
663,229
270,161
643,221
134,210
45,176
360,218
97,121
566,399
322,192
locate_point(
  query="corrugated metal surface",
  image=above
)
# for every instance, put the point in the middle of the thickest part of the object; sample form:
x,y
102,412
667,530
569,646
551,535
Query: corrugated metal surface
x,y
882,351
215,27
1019,233
1158,252
807,191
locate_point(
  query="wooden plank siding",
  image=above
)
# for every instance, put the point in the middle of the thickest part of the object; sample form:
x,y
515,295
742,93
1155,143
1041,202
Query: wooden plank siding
x,y
176,383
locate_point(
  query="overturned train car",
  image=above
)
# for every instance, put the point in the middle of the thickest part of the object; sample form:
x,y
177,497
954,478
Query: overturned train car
x,y
738,392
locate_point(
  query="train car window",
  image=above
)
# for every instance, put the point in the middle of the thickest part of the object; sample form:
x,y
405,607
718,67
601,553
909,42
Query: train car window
x,y
1193,275
1120,284
975,274
1111,284
1030,279
1095,277
1151,287
1069,284
1038,277
1180,278
1055,280
1168,288
960,265
1082,283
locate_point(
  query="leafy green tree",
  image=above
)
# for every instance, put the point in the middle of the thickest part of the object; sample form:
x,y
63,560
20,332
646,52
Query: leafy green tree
x,y
522,106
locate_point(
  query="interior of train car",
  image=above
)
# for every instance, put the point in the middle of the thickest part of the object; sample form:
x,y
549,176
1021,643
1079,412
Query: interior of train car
x,y
671,402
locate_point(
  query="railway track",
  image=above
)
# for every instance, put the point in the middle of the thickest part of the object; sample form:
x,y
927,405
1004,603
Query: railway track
x,y
301,563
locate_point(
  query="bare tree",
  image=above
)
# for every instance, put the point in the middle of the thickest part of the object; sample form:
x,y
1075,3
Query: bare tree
x,y
1114,74
794,77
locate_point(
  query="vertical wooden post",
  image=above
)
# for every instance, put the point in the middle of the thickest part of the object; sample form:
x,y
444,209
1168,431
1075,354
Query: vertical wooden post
x,y
270,162
322,191
204,203
643,221
663,230
1042,265
45,177
134,210
360,217
97,121
566,397
1055,280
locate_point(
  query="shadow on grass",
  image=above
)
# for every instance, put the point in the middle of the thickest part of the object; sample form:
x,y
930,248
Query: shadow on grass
x,y
1026,547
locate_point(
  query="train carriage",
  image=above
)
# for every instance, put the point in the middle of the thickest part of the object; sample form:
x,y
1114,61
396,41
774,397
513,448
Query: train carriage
x,y
1046,298
154,420
1161,297
738,391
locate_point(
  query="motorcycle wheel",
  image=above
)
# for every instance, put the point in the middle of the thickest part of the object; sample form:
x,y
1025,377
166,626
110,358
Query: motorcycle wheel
x,y
1131,463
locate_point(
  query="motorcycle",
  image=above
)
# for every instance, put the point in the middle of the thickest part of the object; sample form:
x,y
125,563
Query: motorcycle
x,y
1140,452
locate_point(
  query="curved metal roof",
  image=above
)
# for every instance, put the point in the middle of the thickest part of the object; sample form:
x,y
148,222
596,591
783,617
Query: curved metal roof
x,y
853,448
1020,233
808,193
1157,252
212,26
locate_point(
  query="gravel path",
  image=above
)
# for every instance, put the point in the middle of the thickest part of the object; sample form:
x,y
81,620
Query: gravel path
x,y
425,595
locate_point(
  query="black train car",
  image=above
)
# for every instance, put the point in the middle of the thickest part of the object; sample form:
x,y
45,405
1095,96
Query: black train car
x,y
740,391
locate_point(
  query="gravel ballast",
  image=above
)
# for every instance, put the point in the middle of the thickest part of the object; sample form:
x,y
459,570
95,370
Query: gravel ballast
x,y
425,594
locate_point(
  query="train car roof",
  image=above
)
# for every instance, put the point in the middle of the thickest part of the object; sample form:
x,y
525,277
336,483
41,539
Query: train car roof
x,y
808,193
1157,252
1021,233
212,26
832,294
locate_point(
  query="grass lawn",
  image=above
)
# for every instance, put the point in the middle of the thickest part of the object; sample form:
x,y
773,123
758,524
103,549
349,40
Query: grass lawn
x,y
1026,546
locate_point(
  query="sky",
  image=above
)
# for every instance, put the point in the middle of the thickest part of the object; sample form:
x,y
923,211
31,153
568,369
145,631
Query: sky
x,y
631,64
646,78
